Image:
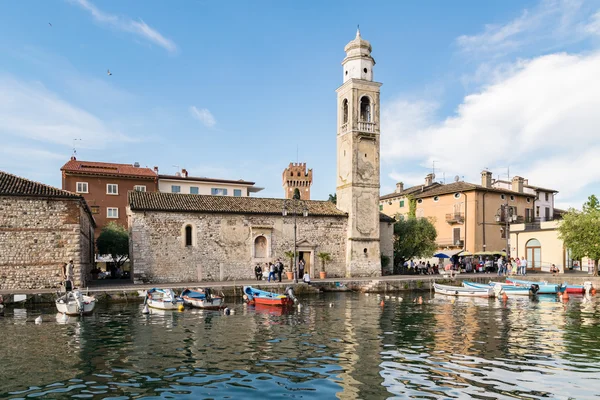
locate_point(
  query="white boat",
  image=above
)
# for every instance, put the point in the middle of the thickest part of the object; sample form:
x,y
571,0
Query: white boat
x,y
464,291
163,299
75,303
202,298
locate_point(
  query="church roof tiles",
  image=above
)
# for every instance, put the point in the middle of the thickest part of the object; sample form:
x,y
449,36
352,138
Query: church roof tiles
x,y
12,185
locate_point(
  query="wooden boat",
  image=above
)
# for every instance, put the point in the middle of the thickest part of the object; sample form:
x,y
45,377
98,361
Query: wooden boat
x,y
202,298
545,287
163,299
256,296
509,289
75,303
464,291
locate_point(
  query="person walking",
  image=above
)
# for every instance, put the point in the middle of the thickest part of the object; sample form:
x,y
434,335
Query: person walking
x,y
500,267
271,272
524,266
301,268
279,268
518,262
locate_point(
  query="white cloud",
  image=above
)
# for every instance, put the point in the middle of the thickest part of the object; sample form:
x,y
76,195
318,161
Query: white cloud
x,y
540,118
204,116
126,24
30,111
550,23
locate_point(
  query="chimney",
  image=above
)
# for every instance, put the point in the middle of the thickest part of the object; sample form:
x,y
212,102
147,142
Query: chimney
x,y
136,164
517,184
184,173
73,158
156,170
399,187
486,179
525,182
428,179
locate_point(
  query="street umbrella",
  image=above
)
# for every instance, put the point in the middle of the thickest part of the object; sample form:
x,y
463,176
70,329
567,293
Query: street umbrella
x,y
441,255
465,254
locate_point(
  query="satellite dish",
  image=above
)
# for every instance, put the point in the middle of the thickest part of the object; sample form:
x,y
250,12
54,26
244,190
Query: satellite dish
x,y
456,178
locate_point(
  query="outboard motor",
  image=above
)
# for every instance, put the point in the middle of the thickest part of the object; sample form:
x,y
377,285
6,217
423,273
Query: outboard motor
x,y
533,289
587,286
290,293
498,290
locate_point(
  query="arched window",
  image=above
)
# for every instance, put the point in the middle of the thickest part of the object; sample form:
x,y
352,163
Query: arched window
x,y
260,247
188,236
365,109
345,111
533,254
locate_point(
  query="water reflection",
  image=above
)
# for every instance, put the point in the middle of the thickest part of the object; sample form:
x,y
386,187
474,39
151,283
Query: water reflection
x,y
343,345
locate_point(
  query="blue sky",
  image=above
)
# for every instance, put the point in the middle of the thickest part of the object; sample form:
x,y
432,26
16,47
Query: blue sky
x,y
235,89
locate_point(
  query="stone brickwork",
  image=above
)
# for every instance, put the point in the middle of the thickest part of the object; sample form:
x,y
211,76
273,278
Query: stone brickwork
x,y
223,245
37,235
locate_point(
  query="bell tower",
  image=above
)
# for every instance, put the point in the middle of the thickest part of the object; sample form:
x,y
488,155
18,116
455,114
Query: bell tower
x,y
358,158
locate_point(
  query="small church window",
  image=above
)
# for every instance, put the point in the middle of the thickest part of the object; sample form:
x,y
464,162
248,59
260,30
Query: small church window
x,y
365,109
345,111
188,235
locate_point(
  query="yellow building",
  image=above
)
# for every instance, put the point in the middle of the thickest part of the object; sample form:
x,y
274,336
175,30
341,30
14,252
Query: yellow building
x,y
467,216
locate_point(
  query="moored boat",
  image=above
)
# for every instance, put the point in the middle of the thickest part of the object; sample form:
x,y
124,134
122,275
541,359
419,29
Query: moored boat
x,y
464,291
163,299
257,296
75,303
509,289
202,298
545,287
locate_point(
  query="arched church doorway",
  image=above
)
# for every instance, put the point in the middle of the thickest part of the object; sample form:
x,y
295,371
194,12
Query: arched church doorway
x,y
533,251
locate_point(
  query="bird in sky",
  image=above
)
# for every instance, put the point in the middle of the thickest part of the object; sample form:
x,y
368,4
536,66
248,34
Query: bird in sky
x,y
108,72
50,24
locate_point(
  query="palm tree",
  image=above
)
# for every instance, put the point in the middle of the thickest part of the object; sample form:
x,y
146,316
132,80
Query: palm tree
x,y
290,254
324,257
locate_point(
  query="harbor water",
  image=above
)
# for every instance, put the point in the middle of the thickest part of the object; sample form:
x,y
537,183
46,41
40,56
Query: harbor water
x,y
342,345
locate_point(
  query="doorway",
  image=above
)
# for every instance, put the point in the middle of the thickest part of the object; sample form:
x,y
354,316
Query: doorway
x,y
305,256
533,251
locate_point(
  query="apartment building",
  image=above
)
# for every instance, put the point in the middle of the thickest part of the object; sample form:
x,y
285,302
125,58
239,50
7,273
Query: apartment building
x,y
181,182
104,187
467,216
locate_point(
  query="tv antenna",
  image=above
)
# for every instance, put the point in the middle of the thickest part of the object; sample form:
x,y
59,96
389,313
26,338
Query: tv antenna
x,y
456,178
74,149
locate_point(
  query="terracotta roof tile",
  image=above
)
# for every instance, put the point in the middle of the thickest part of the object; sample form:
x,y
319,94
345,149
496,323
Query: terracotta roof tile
x,y
12,185
175,202
102,168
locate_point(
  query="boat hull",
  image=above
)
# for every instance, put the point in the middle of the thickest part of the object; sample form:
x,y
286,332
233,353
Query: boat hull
x,y
163,299
463,291
256,296
75,303
200,298
545,288
164,305
508,289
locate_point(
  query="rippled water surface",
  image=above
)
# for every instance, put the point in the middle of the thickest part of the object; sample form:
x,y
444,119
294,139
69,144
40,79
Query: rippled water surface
x,y
339,345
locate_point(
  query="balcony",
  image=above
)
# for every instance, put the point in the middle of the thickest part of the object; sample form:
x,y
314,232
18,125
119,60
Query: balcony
x,y
366,126
450,243
455,218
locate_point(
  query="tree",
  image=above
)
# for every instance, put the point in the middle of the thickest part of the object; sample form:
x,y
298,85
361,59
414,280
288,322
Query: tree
x,y
290,254
413,238
324,257
114,240
333,198
580,231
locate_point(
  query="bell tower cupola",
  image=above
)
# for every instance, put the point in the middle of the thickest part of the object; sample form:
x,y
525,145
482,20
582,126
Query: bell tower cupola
x,y
358,63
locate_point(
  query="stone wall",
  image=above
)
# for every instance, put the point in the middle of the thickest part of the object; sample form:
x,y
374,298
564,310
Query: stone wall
x,y
386,237
223,244
37,235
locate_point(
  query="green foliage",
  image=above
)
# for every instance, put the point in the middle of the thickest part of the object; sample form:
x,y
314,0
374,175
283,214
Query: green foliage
x,y
385,261
333,198
114,240
324,257
414,238
290,256
580,231
412,206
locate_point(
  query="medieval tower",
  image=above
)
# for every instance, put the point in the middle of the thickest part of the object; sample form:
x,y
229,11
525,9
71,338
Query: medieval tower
x,y
358,158
296,176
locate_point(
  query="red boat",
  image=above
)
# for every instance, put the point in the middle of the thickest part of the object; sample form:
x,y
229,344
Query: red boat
x,y
256,296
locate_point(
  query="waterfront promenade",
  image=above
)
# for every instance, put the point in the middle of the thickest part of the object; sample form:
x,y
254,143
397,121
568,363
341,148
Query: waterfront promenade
x,y
120,289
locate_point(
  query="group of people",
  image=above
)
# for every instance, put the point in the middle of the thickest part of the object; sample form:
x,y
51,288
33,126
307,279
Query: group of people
x,y
273,269
421,268
513,266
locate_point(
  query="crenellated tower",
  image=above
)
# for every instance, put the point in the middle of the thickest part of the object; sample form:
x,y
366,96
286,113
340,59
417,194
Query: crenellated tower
x,y
358,158
296,176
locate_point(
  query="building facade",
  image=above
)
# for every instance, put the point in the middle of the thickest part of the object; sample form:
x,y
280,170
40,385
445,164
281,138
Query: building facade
x,y
104,186
541,246
466,216
184,184
42,227
295,176
183,237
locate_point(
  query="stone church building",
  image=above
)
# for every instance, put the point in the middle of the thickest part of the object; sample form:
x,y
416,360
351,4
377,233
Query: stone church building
x,y
183,238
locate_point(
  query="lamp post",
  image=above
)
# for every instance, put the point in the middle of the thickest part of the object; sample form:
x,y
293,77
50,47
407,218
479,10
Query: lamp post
x,y
506,214
293,205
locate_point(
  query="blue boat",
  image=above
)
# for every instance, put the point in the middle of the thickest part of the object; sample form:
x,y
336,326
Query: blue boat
x,y
257,296
545,288
507,288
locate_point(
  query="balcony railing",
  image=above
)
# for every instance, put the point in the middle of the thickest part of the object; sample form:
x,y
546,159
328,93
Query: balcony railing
x,y
366,126
455,218
450,243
